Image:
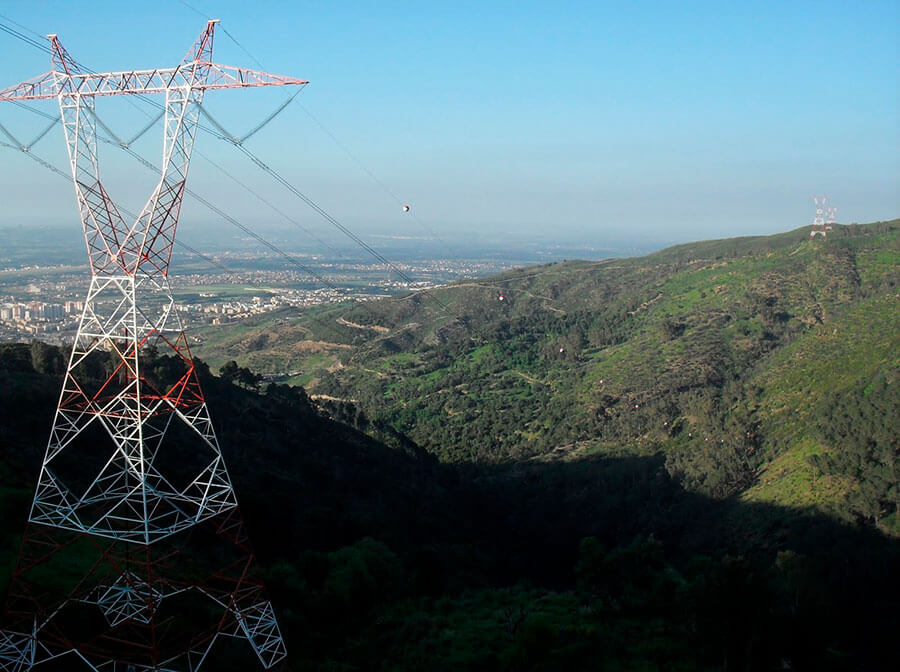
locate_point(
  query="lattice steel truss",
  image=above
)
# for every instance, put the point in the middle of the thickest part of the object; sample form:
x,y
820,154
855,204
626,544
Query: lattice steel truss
x,y
820,227
133,464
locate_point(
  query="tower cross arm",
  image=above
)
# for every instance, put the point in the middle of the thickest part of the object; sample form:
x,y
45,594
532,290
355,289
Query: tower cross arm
x,y
36,88
228,76
196,75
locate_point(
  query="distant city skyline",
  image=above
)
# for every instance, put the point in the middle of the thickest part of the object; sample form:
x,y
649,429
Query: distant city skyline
x,y
593,121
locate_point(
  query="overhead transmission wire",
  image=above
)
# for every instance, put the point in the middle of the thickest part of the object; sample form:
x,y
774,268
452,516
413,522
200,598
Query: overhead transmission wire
x,y
238,142
115,141
330,218
21,36
126,145
40,43
258,238
355,159
49,166
161,111
54,169
224,135
228,136
26,150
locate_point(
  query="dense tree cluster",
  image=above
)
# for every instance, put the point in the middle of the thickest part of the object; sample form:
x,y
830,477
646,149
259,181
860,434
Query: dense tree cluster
x,y
381,557
860,428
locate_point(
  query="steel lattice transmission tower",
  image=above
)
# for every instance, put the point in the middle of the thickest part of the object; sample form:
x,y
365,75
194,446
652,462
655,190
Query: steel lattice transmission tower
x,y
133,485
819,225
830,217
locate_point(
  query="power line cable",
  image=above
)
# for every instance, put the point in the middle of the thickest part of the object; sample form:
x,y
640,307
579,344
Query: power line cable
x,y
221,134
341,227
24,38
268,203
224,135
390,192
328,327
49,166
355,159
116,141
253,234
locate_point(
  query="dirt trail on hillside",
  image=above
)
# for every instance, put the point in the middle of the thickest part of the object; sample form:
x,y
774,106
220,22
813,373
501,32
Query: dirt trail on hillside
x,y
354,325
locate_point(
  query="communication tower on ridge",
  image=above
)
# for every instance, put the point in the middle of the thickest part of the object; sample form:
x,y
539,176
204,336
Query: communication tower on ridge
x,y
819,225
133,488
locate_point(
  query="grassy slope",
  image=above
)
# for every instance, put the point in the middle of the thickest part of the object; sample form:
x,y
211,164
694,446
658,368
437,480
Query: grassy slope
x,y
842,356
718,354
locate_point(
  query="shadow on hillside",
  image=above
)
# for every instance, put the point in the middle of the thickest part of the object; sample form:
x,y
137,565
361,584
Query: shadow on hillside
x,y
309,485
460,529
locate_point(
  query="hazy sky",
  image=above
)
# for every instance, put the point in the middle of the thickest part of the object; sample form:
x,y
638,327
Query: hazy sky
x,y
608,120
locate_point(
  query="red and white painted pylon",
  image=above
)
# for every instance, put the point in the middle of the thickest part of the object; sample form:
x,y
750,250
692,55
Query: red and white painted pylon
x,y
133,477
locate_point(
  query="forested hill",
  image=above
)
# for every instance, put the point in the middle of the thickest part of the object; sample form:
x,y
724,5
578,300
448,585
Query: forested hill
x,y
763,367
381,557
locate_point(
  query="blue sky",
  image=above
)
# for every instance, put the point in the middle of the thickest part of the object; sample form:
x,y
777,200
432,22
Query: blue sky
x,y
583,120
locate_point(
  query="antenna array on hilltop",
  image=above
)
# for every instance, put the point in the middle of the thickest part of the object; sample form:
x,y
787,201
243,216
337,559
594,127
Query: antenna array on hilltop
x,y
823,221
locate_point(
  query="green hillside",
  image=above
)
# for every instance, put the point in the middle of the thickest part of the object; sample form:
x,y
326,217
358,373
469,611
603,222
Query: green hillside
x,y
764,367
384,558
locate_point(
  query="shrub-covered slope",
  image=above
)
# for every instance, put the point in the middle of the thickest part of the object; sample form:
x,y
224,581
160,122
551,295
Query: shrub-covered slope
x,y
383,558
749,363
